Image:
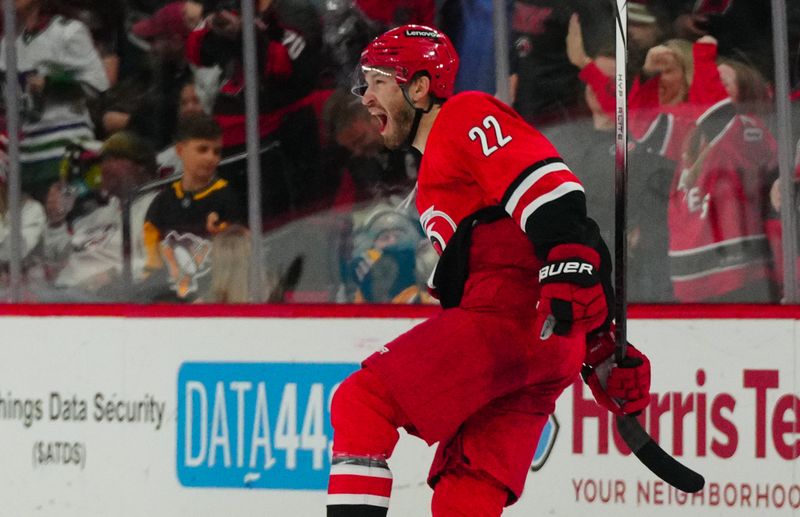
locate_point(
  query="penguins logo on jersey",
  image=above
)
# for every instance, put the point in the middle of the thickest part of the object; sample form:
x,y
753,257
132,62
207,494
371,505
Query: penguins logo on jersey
x,y
187,257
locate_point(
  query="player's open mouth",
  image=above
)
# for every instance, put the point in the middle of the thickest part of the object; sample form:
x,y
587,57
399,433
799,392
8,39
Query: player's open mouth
x,y
382,119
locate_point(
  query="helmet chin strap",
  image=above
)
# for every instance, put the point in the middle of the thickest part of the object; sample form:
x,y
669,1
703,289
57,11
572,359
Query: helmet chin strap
x,y
418,112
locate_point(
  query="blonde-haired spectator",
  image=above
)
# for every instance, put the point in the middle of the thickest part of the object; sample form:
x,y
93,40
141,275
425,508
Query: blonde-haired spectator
x,y
231,253
230,266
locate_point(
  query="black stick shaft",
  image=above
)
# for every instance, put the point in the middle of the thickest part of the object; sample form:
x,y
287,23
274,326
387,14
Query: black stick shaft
x,y
642,444
621,179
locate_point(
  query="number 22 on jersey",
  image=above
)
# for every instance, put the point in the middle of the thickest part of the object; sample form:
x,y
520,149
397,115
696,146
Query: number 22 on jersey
x,y
499,140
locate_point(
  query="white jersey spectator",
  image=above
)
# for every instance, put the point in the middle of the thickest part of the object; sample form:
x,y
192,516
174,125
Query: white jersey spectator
x,y
91,247
59,69
87,251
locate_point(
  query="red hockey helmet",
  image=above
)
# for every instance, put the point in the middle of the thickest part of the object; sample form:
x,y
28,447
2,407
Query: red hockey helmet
x,y
410,49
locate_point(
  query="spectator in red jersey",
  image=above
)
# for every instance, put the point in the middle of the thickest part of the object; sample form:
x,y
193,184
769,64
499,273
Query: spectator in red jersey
x,y
679,81
288,72
718,246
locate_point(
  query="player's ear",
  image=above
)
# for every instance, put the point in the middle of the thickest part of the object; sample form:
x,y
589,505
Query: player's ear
x,y
420,87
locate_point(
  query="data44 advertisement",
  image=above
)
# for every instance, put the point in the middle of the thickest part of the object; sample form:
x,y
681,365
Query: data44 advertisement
x,y
256,425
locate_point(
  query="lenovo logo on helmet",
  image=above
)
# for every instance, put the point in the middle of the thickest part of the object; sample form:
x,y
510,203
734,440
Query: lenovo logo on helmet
x,y
416,33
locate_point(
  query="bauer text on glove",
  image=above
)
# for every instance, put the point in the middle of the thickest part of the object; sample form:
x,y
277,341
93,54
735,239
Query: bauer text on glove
x,y
572,295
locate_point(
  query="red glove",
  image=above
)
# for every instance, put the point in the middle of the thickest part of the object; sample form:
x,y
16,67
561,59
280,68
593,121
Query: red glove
x,y
571,296
623,389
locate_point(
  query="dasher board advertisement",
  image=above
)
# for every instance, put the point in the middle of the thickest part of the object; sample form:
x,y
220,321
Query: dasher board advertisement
x,y
194,416
724,402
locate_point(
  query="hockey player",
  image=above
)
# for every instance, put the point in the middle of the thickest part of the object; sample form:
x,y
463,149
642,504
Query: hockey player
x,y
524,280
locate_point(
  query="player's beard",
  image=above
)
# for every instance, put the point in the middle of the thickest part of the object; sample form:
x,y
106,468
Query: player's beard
x,y
402,120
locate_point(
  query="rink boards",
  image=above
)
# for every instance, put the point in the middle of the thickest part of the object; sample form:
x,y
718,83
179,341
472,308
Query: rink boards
x,y
131,416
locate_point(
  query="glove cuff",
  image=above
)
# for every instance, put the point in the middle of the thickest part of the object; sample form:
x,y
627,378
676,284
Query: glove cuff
x,y
577,251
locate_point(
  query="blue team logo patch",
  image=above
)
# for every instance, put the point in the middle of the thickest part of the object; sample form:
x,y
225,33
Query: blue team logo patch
x,y
546,442
256,425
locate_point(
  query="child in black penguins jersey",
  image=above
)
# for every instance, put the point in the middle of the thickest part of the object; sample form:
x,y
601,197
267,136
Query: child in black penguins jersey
x,y
185,215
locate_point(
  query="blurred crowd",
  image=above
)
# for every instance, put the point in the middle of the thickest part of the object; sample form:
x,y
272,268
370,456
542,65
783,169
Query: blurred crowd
x,y
134,169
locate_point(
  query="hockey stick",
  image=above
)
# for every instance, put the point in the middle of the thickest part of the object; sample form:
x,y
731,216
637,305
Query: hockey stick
x,y
641,444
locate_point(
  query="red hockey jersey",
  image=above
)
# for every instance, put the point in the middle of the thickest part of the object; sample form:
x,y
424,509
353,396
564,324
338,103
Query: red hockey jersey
x,y
481,153
289,64
717,242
